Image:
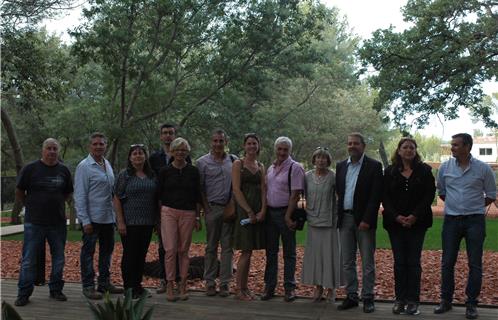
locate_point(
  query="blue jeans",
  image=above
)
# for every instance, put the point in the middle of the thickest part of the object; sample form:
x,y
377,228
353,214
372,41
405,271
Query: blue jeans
x,y
407,247
473,229
104,233
34,237
276,228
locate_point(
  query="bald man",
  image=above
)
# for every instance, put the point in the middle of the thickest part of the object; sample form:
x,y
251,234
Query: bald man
x,y
43,186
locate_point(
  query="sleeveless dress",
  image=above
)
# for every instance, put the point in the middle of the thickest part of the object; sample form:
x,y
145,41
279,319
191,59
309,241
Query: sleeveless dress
x,y
250,236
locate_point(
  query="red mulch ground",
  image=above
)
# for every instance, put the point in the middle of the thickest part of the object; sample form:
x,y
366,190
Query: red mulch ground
x,y
11,254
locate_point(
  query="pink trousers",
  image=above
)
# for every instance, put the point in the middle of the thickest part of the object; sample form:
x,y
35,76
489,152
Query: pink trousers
x,y
176,233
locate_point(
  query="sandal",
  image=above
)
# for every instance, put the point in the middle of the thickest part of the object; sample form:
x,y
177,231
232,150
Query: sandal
x,y
240,295
317,294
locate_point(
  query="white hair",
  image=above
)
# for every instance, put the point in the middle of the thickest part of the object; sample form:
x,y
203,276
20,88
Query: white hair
x,y
283,140
175,144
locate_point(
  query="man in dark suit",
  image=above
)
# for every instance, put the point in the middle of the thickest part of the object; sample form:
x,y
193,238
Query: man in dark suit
x,y
359,188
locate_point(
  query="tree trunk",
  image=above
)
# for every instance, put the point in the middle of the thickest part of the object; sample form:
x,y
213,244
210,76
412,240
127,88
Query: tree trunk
x,y
11,134
18,158
113,152
383,155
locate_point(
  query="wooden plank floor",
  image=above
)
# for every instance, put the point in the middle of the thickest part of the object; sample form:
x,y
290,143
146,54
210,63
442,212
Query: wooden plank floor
x,y
200,306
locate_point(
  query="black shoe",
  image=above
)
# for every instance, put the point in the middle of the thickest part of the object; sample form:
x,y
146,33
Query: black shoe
x,y
22,301
442,307
399,307
412,309
290,295
58,295
471,311
268,294
111,288
368,305
348,303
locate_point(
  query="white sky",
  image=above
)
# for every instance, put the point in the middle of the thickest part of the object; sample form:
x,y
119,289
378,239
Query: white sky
x,y
364,16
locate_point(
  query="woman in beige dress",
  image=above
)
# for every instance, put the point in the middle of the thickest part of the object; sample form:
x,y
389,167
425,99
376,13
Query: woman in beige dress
x,y
322,256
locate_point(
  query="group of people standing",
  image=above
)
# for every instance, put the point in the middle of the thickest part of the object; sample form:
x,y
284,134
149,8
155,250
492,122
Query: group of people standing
x,y
168,193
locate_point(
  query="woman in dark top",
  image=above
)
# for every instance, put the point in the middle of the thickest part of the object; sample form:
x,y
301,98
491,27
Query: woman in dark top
x,y
409,190
180,195
135,202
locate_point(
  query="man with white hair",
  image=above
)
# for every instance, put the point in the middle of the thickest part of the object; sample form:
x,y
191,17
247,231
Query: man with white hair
x,y
43,186
285,182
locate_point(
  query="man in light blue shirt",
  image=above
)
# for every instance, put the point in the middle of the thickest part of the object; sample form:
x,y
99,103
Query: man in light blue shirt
x,y
93,185
467,186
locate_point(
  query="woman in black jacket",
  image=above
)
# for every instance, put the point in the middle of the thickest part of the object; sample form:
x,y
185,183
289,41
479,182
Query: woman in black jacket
x,y
409,190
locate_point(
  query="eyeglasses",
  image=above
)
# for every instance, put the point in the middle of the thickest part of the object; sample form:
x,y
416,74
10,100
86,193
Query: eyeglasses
x,y
322,148
140,145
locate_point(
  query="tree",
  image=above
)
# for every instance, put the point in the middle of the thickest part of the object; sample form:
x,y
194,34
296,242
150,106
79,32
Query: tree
x,y
182,56
438,63
24,14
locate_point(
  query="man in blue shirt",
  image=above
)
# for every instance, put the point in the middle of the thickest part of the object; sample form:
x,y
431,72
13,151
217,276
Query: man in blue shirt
x,y
467,186
93,185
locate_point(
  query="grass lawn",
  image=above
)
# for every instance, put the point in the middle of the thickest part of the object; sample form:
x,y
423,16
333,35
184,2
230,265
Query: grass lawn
x,y
432,238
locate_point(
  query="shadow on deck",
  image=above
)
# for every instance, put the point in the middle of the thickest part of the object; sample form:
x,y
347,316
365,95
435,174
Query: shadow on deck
x,y
200,306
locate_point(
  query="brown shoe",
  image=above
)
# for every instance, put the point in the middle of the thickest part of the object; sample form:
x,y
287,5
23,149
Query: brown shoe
x,y
183,290
170,292
211,291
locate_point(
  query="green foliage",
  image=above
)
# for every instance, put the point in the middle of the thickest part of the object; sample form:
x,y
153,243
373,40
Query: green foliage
x,y
428,147
9,313
439,63
126,310
270,67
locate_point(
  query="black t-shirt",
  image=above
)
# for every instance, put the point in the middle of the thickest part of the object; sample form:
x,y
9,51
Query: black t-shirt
x,y
180,188
46,189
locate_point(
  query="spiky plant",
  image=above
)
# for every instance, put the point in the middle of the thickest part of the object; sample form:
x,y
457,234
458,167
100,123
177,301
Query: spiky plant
x,y
9,313
126,310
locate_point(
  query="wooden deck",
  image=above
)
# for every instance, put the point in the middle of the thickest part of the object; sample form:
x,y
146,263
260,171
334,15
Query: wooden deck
x,y
200,306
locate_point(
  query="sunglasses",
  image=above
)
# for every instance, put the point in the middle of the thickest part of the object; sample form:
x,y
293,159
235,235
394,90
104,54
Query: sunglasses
x,y
322,148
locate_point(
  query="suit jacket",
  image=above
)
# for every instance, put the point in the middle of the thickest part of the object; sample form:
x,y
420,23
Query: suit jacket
x,y
367,194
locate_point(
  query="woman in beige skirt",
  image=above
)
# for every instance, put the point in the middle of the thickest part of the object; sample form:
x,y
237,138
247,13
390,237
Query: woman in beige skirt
x,y
322,256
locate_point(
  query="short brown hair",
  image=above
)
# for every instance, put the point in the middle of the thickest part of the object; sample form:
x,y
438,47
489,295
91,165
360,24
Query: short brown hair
x,y
321,152
359,136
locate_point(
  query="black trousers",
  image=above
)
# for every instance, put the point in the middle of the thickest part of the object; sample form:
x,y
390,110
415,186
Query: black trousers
x,y
135,246
407,247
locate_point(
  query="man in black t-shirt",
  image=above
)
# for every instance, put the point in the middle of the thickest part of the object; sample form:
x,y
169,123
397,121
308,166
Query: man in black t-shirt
x,y
43,186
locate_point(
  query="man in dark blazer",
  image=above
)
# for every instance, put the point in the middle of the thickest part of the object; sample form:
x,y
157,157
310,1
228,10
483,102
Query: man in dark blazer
x,y
359,189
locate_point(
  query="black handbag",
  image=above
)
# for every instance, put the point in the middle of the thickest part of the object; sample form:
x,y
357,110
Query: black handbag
x,y
299,214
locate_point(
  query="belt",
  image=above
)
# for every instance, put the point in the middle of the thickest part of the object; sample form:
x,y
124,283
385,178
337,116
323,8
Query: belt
x,y
277,208
217,204
463,216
